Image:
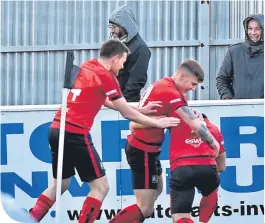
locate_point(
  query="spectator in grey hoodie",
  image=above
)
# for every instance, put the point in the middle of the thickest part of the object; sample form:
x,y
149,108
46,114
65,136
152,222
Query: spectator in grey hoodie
x,y
241,75
133,77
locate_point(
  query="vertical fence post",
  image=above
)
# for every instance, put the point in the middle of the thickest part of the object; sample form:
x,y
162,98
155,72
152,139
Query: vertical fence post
x,y
203,92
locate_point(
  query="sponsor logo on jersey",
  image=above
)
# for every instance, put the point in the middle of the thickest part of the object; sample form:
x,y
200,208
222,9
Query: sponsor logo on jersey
x,y
195,142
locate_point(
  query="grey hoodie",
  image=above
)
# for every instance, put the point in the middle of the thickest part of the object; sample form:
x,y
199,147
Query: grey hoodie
x,y
124,17
133,76
241,75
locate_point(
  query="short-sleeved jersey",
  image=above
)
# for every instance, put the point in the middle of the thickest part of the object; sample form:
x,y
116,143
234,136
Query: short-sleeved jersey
x,y
164,90
187,149
92,85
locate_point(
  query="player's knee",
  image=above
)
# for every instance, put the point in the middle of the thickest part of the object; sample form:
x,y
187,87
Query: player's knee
x,y
105,188
101,188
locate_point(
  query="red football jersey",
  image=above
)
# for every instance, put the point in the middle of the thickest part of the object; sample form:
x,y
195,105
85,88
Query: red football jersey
x,y
164,90
93,84
187,149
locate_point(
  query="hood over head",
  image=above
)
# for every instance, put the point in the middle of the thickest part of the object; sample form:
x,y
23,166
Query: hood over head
x,y
254,48
124,17
260,19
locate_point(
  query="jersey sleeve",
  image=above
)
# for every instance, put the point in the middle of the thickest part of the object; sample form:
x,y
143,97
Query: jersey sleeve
x,y
110,86
175,100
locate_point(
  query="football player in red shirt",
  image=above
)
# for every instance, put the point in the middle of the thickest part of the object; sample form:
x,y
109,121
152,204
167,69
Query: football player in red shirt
x,y
143,145
193,164
95,85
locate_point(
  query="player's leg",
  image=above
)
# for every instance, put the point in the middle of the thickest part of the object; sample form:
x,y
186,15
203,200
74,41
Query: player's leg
x,y
147,181
144,178
51,190
137,213
48,197
92,204
90,169
181,193
159,181
207,182
145,200
160,178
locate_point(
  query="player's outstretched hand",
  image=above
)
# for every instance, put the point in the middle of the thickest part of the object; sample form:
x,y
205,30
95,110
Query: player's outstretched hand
x,y
151,107
167,122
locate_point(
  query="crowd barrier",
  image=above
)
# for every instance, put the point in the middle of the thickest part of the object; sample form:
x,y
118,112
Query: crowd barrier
x,y
26,161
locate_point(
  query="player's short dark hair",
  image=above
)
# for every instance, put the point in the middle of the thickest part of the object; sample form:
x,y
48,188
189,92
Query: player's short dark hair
x,y
192,67
112,48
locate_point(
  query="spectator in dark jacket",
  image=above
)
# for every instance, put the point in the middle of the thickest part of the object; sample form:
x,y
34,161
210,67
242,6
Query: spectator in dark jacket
x,y
133,77
242,73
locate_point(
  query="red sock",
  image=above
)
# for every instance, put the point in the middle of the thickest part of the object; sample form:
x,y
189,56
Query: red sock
x,y
41,207
128,215
207,206
90,210
184,220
